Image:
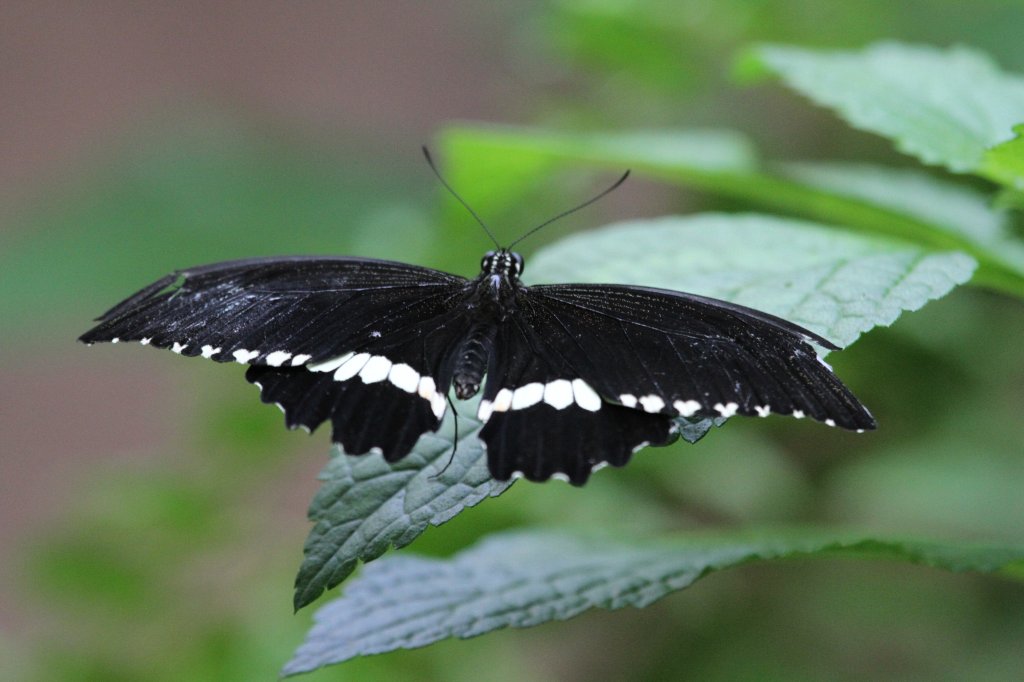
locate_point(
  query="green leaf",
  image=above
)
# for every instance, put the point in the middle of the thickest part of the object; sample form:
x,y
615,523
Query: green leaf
x,y
365,505
954,208
1005,162
499,162
837,283
523,579
943,106
727,165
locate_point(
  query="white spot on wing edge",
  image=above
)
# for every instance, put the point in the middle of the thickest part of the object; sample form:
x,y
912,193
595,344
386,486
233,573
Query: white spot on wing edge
x,y
503,400
727,410
763,410
798,414
559,476
404,377
209,351
300,359
243,356
652,403
527,395
145,341
351,367
277,358
686,408
628,400
328,365
438,404
558,393
427,389
485,410
376,369
830,422
178,347
586,397
114,340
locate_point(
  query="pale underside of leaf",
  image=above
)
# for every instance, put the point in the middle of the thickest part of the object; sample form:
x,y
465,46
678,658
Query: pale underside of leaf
x,y
366,505
951,207
836,283
523,579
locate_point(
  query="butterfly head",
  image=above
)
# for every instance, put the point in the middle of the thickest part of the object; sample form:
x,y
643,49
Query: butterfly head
x,y
502,262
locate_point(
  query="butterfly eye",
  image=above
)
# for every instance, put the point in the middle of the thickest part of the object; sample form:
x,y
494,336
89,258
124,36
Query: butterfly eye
x,y
517,267
485,262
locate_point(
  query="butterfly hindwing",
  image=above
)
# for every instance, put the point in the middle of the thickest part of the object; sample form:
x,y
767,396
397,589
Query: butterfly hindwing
x,y
542,419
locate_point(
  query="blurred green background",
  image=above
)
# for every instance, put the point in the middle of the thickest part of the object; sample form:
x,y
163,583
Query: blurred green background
x,y
153,511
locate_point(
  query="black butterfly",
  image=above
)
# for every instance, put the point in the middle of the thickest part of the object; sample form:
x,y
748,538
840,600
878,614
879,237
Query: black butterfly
x,y
577,375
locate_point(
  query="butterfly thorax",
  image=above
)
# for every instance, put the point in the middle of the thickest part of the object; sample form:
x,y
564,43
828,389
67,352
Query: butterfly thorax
x,y
491,298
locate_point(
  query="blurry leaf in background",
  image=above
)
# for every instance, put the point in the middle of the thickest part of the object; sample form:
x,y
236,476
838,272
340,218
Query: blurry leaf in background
x,y
522,579
646,53
1005,162
945,107
952,207
725,163
185,198
504,165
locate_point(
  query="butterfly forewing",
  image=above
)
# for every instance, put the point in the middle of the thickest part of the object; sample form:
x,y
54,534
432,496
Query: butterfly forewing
x,y
279,311
366,344
665,352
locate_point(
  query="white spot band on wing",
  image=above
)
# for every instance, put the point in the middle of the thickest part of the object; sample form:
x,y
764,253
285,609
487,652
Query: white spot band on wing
x,y
351,367
527,395
277,358
727,410
404,377
330,364
686,408
652,403
586,397
558,394
242,356
376,369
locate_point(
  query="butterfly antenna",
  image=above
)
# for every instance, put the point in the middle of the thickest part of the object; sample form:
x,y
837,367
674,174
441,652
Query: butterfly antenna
x,y
430,162
455,442
561,215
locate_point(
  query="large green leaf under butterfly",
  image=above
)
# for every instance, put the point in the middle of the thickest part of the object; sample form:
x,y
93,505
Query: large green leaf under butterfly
x,y
578,375
525,578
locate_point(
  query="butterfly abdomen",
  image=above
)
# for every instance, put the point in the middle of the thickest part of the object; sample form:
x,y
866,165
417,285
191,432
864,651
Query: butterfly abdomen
x,y
471,361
